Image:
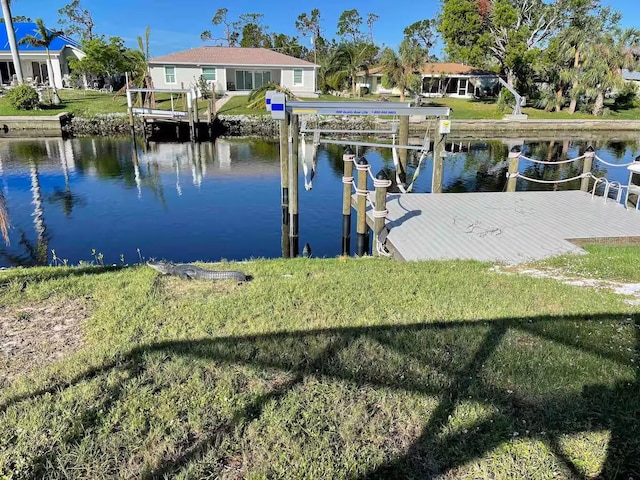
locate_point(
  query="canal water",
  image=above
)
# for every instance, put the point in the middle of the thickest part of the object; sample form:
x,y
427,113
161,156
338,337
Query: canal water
x,y
106,200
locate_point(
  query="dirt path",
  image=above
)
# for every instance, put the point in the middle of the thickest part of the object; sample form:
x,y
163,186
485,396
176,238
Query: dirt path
x,y
38,334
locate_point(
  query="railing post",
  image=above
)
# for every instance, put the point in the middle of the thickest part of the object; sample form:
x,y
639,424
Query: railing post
x,y
514,159
381,184
361,191
589,155
347,180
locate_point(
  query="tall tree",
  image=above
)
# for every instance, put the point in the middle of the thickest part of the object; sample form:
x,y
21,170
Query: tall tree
x,y
464,32
421,33
43,38
509,30
401,70
76,21
254,32
288,45
310,25
231,35
349,25
371,19
11,35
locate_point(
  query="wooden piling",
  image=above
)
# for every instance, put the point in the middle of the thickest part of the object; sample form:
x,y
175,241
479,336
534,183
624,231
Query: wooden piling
x,y
438,165
284,184
589,155
514,159
381,184
294,139
361,223
403,139
347,180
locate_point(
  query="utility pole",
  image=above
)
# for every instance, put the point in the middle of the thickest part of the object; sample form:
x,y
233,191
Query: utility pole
x,y
11,35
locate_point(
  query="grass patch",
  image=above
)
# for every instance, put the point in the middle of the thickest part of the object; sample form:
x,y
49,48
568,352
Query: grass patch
x,y
609,263
336,368
77,102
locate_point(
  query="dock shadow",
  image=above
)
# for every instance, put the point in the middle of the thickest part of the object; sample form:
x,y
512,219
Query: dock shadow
x,y
458,350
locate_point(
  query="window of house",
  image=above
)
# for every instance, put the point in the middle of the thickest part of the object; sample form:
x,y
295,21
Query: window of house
x,y
169,74
297,76
209,73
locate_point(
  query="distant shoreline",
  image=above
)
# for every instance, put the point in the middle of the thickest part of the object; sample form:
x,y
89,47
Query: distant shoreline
x,y
262,125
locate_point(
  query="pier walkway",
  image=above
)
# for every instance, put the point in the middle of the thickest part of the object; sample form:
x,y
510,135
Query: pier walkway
x,y
509,227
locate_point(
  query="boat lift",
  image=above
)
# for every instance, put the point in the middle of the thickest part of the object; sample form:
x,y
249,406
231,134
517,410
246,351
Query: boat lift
x,y
288,113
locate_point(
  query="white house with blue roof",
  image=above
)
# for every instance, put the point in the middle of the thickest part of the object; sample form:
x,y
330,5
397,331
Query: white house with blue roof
x,y
34,59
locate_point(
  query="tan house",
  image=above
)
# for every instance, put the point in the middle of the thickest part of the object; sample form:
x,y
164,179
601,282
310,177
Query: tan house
x,y
234,70
438,80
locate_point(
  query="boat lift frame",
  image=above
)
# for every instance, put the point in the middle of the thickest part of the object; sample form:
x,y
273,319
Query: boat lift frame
x,y
288,112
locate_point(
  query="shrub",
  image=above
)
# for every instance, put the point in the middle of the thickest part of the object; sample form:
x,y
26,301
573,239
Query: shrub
x,y
204,87
627,97
23,97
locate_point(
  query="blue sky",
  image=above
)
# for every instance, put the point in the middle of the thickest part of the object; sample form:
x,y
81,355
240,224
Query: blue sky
x,y
176,24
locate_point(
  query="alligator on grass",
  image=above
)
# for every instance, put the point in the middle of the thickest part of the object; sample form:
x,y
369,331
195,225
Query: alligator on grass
x,y
191,272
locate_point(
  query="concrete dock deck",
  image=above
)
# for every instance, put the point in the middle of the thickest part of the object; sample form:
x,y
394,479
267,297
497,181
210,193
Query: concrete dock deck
x,y
503,227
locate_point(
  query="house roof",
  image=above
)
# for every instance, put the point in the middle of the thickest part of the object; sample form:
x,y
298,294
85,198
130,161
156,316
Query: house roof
x,y
231,56
630,75
438,69
23,29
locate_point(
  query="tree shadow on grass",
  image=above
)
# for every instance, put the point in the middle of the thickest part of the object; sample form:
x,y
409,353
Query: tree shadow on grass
x,y
466,354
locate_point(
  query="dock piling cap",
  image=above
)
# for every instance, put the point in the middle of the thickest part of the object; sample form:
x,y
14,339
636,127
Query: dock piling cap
x,y
362,161
516,149
382,175
348,151
590,149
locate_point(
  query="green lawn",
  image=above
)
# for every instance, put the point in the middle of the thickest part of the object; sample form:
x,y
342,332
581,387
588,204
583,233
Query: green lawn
x,y
335,368
462,109
77,102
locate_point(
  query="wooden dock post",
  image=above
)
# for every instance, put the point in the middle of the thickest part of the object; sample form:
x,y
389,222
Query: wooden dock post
x,y
514,159
403,139
380,212
361,191
438,165
347,180
294,139
589,155
284,184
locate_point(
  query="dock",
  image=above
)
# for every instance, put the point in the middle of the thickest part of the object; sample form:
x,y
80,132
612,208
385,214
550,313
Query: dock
x,y
506,227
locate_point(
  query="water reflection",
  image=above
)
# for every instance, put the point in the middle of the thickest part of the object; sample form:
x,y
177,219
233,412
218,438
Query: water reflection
x,y
208,201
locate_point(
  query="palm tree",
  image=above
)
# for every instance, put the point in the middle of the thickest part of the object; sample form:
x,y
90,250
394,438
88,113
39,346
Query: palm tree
x,y
401,70
346,62
142,75
606,57
43,38
11,34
